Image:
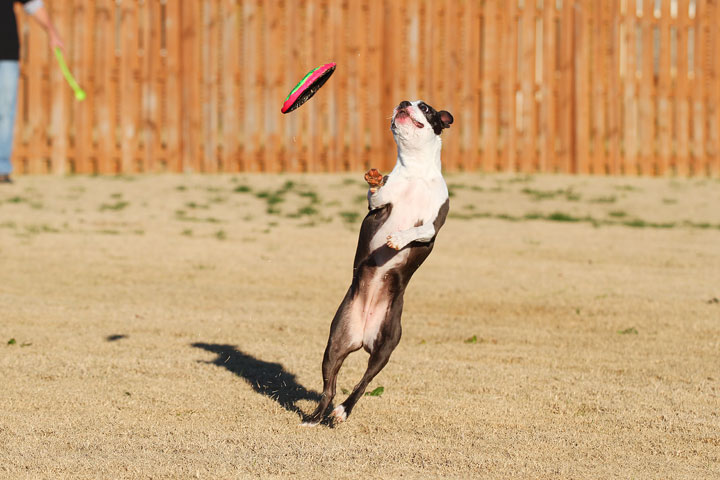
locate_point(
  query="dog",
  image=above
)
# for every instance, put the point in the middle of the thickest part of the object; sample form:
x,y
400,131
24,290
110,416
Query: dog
x,y
406,211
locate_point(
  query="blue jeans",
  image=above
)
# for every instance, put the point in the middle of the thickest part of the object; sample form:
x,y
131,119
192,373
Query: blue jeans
x,y
9,74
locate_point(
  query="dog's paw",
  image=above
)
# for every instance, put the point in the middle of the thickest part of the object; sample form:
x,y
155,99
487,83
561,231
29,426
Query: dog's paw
x,y
339,414
309,424
396,241
374,178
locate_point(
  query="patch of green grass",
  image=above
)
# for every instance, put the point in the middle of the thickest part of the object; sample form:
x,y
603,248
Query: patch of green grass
x,y
181,188
182,216
538,195
196,206
375,393
272,198
349,217
114,206
701,225
16,199
242,189
457,186
221,235
628,331
309,210
12,341
312,196
617,214
124,177
472,339
563,217
618,218
36,229
669,201
605,199
187,232
626,188
116,196
638,223
521,179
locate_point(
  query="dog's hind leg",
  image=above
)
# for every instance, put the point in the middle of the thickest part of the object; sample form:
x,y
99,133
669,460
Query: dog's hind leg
x,y
383,346
344,339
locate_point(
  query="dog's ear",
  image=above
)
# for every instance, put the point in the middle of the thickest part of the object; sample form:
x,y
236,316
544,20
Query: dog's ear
x,y
446,118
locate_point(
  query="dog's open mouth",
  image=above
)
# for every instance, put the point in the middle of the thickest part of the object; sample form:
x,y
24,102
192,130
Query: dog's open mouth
x,y
404,114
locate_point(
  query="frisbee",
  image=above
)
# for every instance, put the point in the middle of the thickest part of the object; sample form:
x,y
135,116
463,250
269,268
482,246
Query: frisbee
x,y
307,87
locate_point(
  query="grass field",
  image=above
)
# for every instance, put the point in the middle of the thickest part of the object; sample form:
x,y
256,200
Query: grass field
x,y
173,327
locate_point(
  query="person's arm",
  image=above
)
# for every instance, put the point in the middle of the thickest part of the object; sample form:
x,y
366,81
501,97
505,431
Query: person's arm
x,y
37,9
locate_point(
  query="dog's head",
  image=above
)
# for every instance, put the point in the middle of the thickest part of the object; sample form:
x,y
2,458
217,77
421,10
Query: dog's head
x,y
416,123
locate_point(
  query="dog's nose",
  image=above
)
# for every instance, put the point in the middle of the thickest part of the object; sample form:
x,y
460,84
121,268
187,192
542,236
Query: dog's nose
x,y
404,104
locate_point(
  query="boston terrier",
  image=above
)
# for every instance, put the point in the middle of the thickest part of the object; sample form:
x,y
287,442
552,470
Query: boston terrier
x,y
407,209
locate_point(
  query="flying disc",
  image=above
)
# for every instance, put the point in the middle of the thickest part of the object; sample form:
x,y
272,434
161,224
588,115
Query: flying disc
x,y
307,87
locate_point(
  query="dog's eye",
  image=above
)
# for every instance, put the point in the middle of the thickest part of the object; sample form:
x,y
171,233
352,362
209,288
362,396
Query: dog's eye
x,y
423,107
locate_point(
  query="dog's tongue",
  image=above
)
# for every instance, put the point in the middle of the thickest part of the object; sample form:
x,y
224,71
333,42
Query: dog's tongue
x,y
402,114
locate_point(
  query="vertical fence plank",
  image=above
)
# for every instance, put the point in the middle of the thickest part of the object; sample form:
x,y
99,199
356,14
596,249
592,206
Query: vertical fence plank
x,y
490,85
509,106
103,60
352,150
664,112
646,112
36,112
58,97
526,75
630,121
128,87
598,79
682,90
174,100
582,88
699,94
469,104
83,21
567,86
714,128
548,126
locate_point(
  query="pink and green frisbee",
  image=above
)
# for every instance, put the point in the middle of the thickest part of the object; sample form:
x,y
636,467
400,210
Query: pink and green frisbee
x,y
308,86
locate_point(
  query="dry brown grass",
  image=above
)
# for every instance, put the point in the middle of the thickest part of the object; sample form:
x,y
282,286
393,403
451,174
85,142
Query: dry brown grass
x,y
170,327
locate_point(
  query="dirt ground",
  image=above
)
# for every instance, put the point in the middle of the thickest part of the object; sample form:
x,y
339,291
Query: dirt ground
x,y
173,327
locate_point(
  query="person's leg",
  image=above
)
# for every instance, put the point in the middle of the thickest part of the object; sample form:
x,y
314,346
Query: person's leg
x,y
9,73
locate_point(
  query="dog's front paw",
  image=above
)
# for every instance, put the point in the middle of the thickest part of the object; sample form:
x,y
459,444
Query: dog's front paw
x,y
374,178
396,241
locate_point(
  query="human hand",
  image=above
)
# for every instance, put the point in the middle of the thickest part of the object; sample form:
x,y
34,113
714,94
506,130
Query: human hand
x,y
55,41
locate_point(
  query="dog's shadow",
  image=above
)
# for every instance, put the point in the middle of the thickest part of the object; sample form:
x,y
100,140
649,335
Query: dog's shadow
x,y
266,378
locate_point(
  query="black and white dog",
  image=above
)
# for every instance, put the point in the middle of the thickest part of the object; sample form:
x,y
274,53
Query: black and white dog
x,y
397,235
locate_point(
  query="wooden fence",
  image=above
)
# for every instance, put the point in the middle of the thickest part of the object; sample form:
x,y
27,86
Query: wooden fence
x,y
579,86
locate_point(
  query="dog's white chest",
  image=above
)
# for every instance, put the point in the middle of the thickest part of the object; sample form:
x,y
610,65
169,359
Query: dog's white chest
x,y
413,202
